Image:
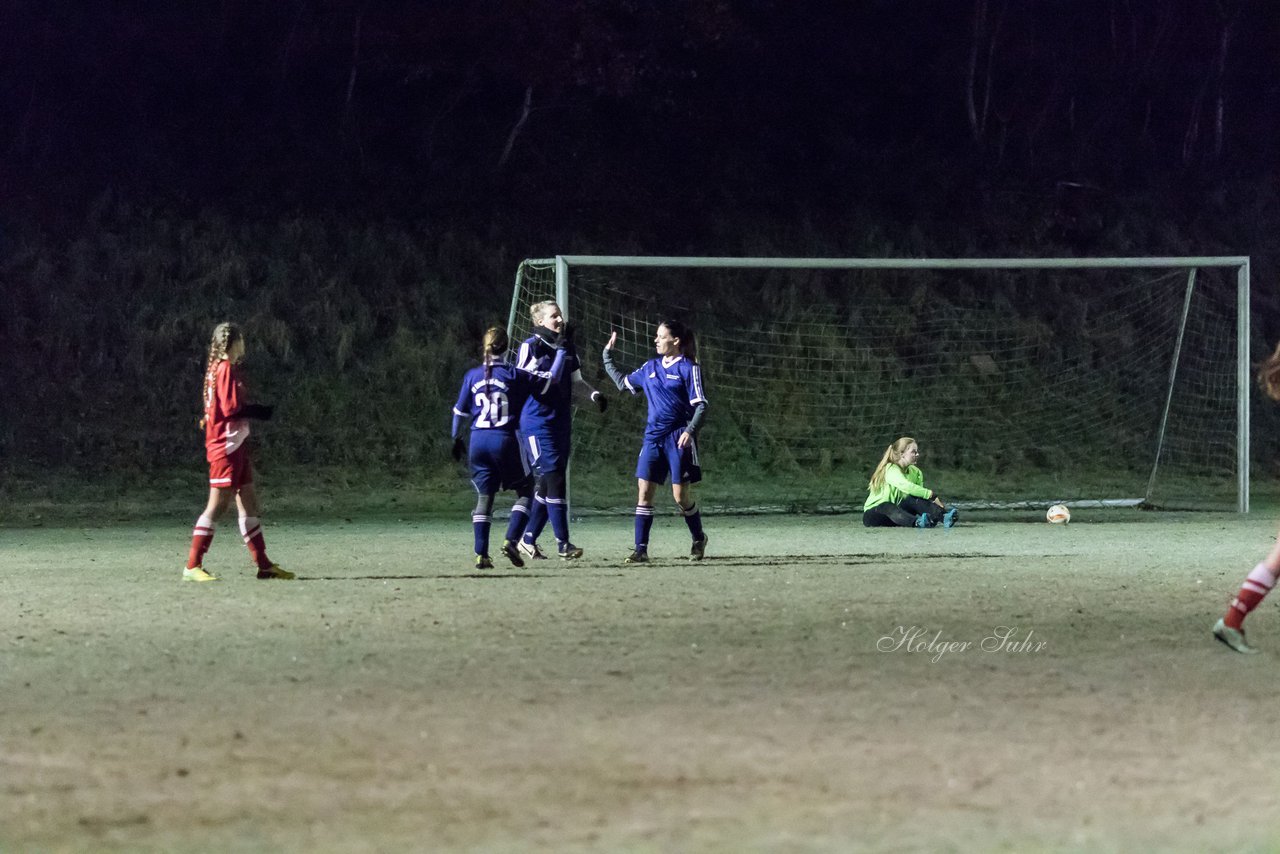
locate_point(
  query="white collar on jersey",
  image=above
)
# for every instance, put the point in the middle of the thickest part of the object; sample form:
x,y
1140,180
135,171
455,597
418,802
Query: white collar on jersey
x,y
668,361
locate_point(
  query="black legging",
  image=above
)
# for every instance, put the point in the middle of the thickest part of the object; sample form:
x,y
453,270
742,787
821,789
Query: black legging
x,y
901,515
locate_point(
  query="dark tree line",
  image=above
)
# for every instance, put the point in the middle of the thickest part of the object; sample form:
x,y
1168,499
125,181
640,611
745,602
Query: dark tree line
x,y
628,108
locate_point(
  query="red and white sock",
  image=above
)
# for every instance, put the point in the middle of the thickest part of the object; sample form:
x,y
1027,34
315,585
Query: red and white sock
x,y
251,531
1255,588
201,537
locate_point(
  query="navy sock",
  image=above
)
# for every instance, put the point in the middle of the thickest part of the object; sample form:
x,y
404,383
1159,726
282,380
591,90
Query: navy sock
x,y
516,526
693,518
558,513
644,523
537,520
480,527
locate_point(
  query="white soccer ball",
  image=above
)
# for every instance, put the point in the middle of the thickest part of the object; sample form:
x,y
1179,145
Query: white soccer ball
x,y
1058,514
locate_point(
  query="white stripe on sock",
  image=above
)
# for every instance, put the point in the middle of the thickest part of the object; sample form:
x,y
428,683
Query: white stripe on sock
x,y
1262,577
250,527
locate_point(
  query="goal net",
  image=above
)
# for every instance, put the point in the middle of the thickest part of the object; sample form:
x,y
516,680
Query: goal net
x,y
1026,383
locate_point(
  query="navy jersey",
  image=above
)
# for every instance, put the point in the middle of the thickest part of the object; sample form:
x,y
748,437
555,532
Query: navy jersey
x,y
551,402
495,403
673,388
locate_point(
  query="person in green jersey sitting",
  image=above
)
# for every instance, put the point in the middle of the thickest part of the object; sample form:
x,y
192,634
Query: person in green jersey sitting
x,y
897,496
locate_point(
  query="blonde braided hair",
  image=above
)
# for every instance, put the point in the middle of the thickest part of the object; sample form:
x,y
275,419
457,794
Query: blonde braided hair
x,y
224,335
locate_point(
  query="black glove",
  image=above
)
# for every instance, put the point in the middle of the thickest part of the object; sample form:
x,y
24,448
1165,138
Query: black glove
x,y
548,336
260,411
601,402
459,449
564,339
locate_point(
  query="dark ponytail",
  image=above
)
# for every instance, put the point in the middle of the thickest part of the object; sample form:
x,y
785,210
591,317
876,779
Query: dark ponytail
x,y
688,343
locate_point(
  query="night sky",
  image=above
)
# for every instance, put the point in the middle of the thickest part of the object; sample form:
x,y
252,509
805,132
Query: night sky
x,y
662,127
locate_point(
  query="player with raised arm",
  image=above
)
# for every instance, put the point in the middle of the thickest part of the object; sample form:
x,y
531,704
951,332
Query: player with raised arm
x,y
1230,628
546,425
897,496
226,427
491,399
672,385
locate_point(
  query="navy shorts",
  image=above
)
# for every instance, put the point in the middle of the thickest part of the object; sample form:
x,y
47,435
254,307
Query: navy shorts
x,y
545,451
659,458
496,463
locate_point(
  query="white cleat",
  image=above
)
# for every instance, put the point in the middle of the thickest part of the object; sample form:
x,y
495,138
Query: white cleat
x,y
531,550
1233,638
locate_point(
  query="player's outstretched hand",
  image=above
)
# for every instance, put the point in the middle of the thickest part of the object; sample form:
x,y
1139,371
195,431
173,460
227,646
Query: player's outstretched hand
x,y
613,339
459,449
601,402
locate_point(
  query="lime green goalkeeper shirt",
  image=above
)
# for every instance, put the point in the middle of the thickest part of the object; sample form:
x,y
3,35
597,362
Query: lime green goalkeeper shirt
x,y
898,483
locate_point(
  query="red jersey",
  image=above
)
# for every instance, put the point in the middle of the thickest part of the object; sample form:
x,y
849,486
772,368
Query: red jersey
x,y
226,394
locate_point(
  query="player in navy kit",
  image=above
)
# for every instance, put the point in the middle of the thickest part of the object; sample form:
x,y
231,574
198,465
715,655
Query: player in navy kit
x,y
491,398
546,426
672,383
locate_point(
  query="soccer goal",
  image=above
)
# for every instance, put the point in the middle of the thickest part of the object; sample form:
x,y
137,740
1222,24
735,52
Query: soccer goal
x,y
1027,382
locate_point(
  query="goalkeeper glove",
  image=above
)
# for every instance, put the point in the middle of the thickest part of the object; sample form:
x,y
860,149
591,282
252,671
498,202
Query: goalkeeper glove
x,y
459,449
601,402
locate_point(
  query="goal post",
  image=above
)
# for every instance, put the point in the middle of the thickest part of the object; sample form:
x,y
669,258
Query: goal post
x,y
1116,381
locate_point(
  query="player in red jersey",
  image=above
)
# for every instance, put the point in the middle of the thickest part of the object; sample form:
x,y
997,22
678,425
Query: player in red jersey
x,y
226,427
1258,583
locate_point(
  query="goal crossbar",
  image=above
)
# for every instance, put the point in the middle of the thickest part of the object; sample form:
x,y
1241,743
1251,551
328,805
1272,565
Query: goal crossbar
x,y
894,263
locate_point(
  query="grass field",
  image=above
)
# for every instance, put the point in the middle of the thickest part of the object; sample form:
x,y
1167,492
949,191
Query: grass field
x,y
392,699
